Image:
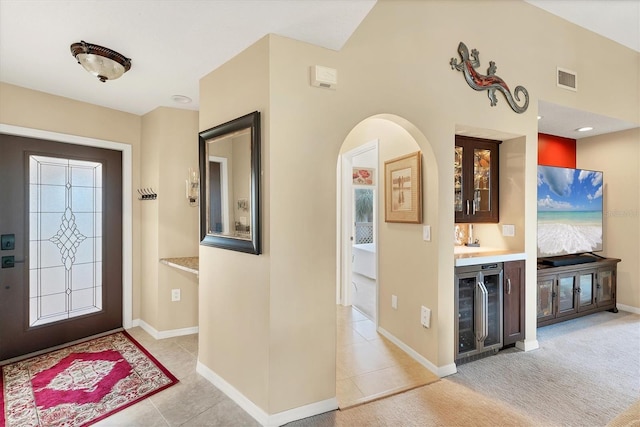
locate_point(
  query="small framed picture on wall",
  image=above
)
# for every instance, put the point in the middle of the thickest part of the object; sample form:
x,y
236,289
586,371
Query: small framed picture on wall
x,y
403,189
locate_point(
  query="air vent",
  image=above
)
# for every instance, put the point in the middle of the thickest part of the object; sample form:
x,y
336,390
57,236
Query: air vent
x,y
567,79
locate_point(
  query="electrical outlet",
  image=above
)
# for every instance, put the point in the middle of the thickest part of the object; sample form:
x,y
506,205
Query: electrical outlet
x,y
394,302
425,317
175,295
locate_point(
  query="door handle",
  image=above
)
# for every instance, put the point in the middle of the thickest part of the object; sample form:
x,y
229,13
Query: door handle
x,y
10,261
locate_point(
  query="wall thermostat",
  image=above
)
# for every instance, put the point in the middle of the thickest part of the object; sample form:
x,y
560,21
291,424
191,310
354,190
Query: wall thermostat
x,y
324,77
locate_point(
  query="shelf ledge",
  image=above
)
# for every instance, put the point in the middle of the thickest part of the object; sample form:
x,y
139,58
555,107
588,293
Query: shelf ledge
x,y
188,264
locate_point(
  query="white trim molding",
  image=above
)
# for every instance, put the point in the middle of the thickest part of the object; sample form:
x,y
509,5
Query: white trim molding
x,y
628,308
160,335
265,419
441,371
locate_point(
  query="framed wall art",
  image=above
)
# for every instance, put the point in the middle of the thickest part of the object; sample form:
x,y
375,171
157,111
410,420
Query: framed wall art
x,y
403,189
363,176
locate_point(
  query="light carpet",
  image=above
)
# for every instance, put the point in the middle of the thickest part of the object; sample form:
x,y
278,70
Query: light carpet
x,y
80,384
585,373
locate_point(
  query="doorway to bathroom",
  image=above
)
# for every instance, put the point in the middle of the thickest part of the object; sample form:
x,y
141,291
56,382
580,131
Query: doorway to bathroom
x,y
359,219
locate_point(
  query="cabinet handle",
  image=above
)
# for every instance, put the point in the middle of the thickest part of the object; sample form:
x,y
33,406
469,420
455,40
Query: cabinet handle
x,y
508,286
467,207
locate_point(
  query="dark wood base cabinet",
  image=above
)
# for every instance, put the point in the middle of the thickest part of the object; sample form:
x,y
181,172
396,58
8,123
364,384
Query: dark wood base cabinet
x,y
572,291
513,301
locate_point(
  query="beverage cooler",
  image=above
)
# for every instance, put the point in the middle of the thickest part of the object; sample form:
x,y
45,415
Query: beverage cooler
x,y
478,307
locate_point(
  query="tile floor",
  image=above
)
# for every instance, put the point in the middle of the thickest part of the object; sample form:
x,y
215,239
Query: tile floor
x,y
368,368
194,401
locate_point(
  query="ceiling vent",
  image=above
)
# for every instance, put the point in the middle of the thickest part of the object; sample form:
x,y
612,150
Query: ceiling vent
x,y
567,79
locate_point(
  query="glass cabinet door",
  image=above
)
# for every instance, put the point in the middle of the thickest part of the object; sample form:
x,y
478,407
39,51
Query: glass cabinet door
x,y
586,282
545,297
466,315
476,180
566,295
481,181
494,316
605,287
457,176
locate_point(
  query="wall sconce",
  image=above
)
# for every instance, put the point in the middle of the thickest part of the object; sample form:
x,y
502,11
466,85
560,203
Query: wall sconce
x,y
193,187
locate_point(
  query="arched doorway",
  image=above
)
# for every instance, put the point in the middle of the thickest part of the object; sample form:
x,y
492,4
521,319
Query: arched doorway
x,y
364,348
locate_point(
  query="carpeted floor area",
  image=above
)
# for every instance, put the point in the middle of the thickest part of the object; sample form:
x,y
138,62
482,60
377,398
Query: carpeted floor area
x,y
585,373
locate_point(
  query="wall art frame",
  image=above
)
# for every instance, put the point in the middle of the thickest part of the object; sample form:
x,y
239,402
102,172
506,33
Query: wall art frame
x,y
403,189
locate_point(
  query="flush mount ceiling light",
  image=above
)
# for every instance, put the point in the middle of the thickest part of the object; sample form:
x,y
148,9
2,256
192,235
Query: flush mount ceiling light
x,y
104,63
584,129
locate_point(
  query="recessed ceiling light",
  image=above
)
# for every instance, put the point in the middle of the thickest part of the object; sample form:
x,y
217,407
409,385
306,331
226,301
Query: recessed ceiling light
x,y
585,129
539,117
181,99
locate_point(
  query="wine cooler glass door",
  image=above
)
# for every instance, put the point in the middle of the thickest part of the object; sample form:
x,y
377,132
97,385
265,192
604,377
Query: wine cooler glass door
x,y
466,315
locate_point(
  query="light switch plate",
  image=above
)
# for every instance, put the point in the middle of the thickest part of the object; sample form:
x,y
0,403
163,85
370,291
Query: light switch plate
x,y
508,230
394,302
426,233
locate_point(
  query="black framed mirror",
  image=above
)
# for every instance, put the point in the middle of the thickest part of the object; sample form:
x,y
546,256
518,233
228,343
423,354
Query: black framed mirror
x,y
230,185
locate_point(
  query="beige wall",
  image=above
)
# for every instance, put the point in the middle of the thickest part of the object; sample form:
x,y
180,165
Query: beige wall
x,y
618,156
170,148
396,63
38,110
234,287
169,223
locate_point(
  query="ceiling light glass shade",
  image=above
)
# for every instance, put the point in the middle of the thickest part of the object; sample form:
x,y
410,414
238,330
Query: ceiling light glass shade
x,y
104,63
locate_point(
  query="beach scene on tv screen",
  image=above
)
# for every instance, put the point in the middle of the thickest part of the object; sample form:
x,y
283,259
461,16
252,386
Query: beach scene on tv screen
x,y
569,211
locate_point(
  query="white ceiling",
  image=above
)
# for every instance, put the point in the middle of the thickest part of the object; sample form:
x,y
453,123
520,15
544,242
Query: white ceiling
x,y
200,35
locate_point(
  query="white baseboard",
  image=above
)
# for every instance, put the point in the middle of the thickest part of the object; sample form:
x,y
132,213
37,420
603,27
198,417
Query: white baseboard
x,y
441,371
258,413
527,345
628,308
306,411
159,335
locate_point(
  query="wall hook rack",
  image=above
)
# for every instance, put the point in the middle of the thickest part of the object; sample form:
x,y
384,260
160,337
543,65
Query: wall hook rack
x,y
147,194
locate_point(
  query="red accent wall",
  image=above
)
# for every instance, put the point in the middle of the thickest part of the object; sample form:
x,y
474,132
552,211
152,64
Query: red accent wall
x,y
556,151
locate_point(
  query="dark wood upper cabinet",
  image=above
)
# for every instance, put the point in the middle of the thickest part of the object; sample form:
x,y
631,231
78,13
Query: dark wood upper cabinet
x,y
476,180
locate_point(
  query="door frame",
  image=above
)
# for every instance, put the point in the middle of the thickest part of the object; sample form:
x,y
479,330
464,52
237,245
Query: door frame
x,y
224,192
127,205
345,221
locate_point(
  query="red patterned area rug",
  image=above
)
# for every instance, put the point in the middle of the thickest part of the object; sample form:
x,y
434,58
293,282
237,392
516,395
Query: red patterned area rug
x,y
81,384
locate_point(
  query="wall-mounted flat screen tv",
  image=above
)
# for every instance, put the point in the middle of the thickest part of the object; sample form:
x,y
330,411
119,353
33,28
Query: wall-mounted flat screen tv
x,y
569,211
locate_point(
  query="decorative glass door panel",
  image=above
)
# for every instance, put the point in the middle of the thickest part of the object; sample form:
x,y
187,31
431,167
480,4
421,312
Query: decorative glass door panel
x,y
65,239
481,180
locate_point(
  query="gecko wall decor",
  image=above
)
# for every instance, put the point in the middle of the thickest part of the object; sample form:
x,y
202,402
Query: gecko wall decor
x,y
470,61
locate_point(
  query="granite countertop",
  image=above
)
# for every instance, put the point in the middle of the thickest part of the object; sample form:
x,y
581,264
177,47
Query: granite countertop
x,y
189,264
464,255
